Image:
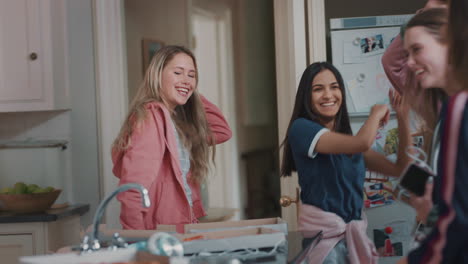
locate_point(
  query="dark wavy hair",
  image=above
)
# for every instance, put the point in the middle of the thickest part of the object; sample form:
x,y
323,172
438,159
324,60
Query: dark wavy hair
x,y
303,109
458,41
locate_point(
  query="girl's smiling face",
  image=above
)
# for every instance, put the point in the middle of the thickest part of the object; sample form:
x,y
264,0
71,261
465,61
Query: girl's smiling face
x,y
326,95
427,57
178,80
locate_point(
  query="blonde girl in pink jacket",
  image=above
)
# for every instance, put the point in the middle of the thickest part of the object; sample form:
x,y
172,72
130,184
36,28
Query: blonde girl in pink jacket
x,y
164,143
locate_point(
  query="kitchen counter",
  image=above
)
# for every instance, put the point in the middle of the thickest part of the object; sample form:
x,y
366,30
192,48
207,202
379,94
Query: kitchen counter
x,y
47,216
299,245
39,233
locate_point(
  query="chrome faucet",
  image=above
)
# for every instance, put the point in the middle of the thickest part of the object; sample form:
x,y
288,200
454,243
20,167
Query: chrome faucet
x,y
92,243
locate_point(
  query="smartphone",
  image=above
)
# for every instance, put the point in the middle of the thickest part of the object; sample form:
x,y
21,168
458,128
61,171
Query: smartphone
x,y
414,179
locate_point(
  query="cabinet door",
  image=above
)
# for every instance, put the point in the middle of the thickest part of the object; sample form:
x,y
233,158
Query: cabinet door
x,y
14,246
33,55
24,62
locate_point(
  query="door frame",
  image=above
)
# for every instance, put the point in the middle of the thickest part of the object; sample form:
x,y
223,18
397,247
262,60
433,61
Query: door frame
x,y
299,40
111,91
224,188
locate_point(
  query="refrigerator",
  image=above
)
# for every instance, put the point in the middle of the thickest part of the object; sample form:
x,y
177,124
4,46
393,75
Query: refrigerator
x,y
357,46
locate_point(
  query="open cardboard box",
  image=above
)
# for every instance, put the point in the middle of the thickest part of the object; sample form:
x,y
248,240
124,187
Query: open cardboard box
x,y
272,223
137,235
229,240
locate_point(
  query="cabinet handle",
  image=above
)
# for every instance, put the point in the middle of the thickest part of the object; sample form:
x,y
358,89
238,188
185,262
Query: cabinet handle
x,y
33,56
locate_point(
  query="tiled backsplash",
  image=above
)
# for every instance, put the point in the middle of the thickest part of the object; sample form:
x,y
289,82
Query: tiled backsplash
x,y
43,166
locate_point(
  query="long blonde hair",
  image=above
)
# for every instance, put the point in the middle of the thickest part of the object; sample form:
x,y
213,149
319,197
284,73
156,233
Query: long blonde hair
x,y
189,119
427,102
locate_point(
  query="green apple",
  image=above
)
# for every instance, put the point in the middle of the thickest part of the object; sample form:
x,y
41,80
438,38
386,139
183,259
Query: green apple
x,y
6,190
49,189
32,187
20,187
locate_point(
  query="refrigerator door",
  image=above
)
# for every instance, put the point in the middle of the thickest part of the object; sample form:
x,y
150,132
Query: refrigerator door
x,y
357,54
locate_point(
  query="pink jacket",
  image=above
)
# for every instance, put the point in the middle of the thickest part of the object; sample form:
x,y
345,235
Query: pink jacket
x,y
394,62
152,160
360,248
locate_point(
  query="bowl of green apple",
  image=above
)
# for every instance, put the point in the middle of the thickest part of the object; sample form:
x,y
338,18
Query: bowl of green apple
x,y
27,198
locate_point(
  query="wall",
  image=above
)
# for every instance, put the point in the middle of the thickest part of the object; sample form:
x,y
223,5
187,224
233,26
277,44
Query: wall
x,y
167,21
83,116
42,166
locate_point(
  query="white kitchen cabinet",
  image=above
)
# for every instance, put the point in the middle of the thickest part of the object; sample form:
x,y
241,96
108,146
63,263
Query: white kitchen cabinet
x,y
13,246
37,238
33,55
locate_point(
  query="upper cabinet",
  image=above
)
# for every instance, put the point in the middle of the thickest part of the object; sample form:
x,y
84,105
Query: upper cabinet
x,y
33,56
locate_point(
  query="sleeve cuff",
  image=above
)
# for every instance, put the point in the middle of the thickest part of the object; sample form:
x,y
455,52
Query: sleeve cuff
x,y
311,153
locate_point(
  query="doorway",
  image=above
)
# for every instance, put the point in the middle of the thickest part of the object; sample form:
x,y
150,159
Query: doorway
x,y
234,44
212,45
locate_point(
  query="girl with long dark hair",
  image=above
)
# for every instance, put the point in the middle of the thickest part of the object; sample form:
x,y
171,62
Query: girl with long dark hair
x,y
331,162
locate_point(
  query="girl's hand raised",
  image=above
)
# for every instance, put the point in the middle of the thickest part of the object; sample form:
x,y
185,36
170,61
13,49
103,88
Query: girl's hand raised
x,y
381,112
396,100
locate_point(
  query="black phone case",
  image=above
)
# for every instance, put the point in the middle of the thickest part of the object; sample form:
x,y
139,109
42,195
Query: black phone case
x,y
414,179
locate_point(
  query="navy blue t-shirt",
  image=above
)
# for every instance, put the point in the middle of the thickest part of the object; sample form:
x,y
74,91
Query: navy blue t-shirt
x,y
332,182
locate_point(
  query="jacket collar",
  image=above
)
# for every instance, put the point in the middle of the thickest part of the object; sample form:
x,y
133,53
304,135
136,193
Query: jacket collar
x,y
170,140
